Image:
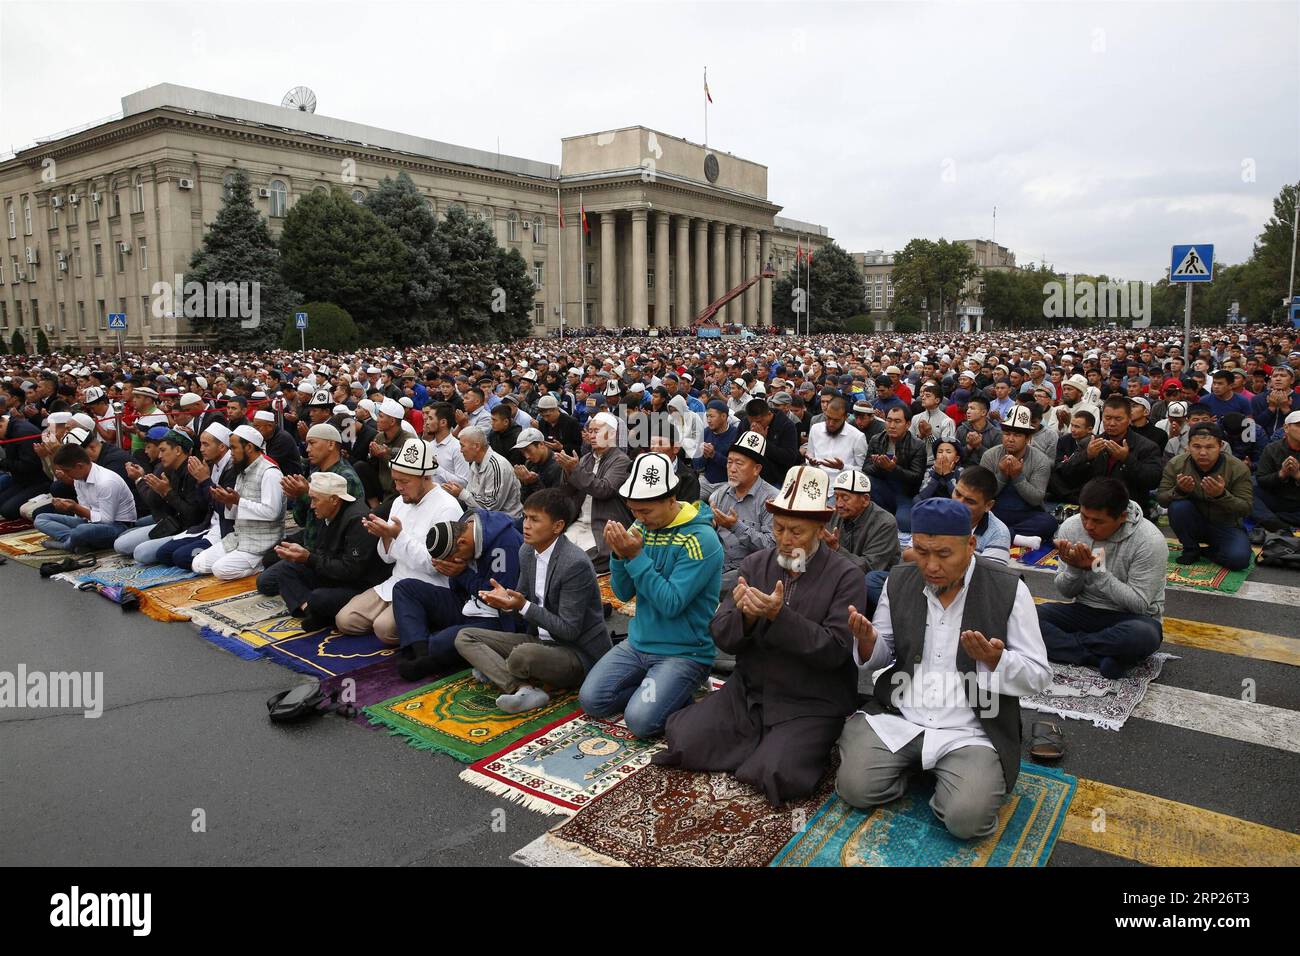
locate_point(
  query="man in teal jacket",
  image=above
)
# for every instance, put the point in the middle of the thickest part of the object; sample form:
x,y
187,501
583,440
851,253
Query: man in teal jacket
x,y
671,562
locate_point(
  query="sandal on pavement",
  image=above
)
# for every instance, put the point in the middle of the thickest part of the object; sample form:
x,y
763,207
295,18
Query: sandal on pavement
x,y
1046,741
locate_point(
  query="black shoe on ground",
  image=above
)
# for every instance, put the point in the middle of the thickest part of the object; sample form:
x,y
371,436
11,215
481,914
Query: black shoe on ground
x,y
419,668
1189,557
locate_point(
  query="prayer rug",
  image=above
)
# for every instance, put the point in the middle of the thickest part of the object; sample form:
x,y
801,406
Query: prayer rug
x,y
1083,694
1206,576
234,615
1044,557
607,596
14,525
172,602
139,577
84,579
563,767
324,653
906,832
661,816
372,684
457,715
25,547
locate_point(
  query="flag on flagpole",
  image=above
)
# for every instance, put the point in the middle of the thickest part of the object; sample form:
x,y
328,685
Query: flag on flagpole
x,y
810,258
706,85
586,226
559,206
798,255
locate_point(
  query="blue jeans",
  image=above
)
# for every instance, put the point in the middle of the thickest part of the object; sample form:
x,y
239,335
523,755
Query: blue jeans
x,y
645,688
1079,634
1268,509
67,532
429,618
180,552
887,492
1021,517
1229,544
875,587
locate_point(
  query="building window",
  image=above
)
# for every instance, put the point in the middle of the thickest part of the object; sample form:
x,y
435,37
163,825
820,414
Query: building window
x,y
539,313
72,210
279,199
319,190
54,210
95,196
18,273
588,321
137,193
63,317
649,278
143,246
539,230
121,306
103,314
81,316
433,207
115,199
591,273
539,268
512,226
27,217
36,314
227,184
4,315
358,196
76,261
18,314
13,221
144,310
121,256
99,259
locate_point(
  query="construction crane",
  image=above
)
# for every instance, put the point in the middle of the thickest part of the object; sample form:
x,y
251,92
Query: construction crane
x,y
706,317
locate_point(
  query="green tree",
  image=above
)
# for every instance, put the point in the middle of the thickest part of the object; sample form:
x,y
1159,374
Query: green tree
x,y
238,249
4,349
1271,256
399,205
42,343
328,327
17,344
833,294
335,250
464,307
513,279
929,276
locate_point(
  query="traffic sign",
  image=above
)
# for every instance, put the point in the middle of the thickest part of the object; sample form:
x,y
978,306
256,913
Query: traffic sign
x,y
300,320
117,320
1192,263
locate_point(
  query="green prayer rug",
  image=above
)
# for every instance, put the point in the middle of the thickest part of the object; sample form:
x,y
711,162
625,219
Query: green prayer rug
x,y
459,716
906,832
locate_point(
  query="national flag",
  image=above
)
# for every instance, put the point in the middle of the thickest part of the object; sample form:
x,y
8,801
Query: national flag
x,y
809,257
586,227
560,207
706,84
798,255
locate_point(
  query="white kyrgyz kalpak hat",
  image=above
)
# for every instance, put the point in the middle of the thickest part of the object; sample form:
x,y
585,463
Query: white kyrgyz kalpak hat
x,y
250,434
751,445
652,477
803,495
415,457
1019,419
853,481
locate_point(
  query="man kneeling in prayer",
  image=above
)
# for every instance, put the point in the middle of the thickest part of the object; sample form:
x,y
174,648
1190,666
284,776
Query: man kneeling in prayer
x,y
960,638
776,719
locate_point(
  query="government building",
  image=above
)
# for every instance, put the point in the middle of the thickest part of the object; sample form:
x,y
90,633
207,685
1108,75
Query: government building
x,y
94,217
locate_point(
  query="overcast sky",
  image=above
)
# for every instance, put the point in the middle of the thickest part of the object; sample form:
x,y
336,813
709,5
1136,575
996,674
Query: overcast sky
x,y
1102,132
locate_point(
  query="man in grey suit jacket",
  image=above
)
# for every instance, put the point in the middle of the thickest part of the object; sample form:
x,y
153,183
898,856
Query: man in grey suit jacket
x,y
559,600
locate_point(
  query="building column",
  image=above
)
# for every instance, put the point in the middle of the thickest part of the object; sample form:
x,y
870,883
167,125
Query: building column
x,y
701,271
751,270
718,272
608,271
736,309
683,270
639,266
663,266
765,285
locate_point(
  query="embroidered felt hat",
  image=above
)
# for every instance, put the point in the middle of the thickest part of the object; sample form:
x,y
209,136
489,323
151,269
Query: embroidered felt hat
x,y
652,477
853,481
752,445
803,494
414,457
1019,419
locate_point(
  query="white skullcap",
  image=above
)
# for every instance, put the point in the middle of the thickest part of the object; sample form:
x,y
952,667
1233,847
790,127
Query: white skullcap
x,y
264,416
249,434
218,431
392,409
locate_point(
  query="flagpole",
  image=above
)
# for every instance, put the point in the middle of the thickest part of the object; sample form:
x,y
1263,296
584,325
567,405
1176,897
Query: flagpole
x,y
582,255
706,106
809,260
559,208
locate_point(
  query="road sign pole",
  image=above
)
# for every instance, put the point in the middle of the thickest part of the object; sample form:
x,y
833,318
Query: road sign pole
x,y
1187,326
119,345
303,335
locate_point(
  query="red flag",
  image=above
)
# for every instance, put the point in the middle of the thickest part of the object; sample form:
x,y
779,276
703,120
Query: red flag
x,y
809,257
798,256
586,226
560,208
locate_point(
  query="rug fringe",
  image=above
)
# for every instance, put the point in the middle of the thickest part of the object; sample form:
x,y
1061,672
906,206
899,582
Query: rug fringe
x,y
231,644
550,850
513,794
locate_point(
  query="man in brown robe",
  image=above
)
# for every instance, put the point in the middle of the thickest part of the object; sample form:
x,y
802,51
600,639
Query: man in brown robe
x,y
775,721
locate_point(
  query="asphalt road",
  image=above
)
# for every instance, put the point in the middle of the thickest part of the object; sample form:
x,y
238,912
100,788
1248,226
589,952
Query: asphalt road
x,y
184,729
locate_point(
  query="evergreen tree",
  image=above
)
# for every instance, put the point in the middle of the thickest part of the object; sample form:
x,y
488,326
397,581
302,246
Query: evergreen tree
x,y
239,248
17,344
400,206
512,277
335,250
467,295
833,295
42,343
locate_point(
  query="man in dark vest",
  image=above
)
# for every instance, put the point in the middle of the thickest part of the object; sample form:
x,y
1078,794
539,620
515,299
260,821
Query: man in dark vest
x,y
961,640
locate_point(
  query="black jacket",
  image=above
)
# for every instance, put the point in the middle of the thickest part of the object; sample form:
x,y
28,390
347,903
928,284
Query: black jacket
x,y
21,459
283,450
566,431
345,555
1140,471
782,448
503,443
910,458
184,506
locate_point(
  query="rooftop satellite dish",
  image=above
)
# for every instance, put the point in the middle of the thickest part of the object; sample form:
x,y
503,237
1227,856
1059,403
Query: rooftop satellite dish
x,y
300,98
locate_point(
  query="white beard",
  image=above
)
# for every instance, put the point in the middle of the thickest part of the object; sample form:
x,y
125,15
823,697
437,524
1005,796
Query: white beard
x,y
796,563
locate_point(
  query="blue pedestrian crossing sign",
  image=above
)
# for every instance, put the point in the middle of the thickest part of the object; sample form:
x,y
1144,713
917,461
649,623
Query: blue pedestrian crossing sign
x,y
117,320
1192,263
300,320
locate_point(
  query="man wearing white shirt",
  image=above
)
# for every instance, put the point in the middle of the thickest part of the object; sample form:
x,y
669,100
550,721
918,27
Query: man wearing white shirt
x,y
402,540
439,421
949,701
258,503
833,444
104,507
